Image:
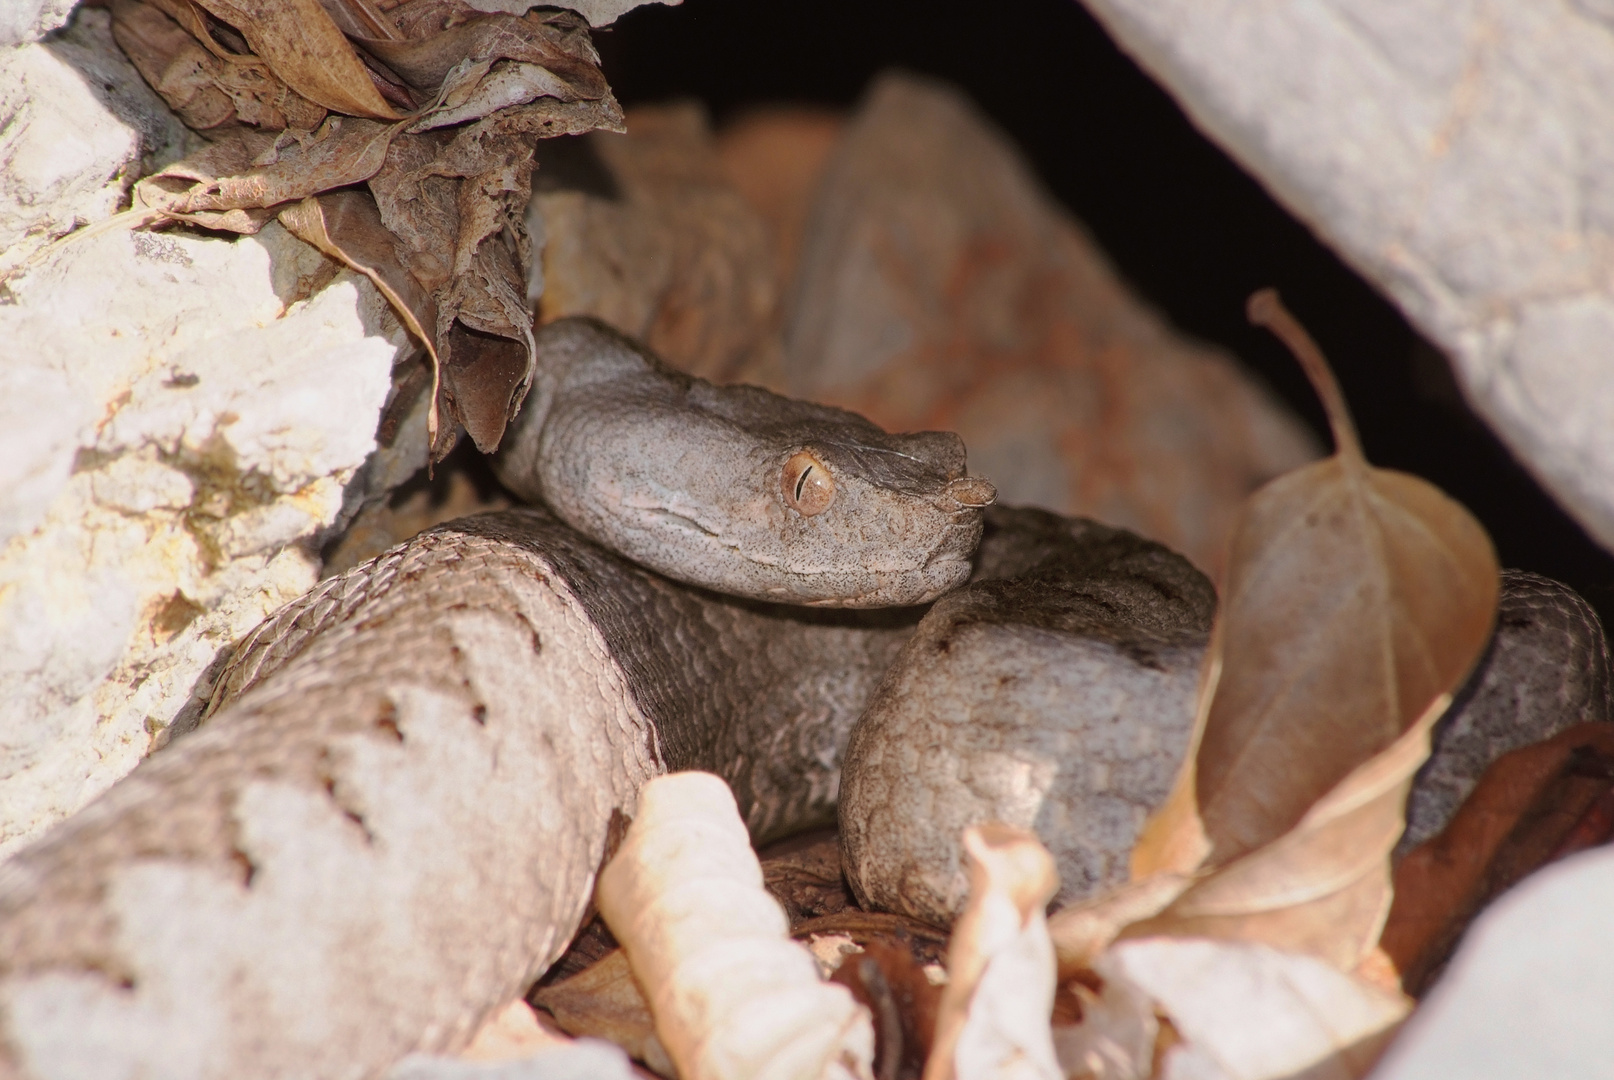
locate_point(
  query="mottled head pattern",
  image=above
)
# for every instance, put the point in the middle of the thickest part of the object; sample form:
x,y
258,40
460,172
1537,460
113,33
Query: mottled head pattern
x,y
738,489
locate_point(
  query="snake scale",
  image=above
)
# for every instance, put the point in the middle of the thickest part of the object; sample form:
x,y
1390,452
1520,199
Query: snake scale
x,y
392,821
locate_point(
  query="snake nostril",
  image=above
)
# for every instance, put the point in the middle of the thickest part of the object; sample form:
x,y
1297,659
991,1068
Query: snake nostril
x,y
970,491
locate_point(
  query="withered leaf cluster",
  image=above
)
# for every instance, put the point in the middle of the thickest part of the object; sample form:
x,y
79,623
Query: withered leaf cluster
x,y
396,137
1357,601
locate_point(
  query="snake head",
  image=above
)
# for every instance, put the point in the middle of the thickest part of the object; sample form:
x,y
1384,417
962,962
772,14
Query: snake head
x,y
738,489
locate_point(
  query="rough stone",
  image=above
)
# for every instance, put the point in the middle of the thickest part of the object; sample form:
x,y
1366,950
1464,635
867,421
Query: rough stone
x,y
80,126
180,431
23,21
940,287
1458,154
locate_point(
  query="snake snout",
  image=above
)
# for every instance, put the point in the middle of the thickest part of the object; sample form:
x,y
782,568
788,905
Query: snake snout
x,y
967,492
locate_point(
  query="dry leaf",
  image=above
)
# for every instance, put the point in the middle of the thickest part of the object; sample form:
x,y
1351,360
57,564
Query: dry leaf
x,y
1242,1012
305,48
992,1023
1524,812
894,968
248,168
429,51
1357,600
206,88
733,997
604,1001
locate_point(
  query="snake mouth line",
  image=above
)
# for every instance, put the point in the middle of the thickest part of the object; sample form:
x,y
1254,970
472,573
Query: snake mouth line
x,y
683,521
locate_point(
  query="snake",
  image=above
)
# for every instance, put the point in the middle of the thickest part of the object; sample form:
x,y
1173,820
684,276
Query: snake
x,y
390,823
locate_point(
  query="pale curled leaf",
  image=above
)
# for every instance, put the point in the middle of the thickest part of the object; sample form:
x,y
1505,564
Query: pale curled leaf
x,y
305,48
733,997
1357,600
992,1023
1323,888
1243,1011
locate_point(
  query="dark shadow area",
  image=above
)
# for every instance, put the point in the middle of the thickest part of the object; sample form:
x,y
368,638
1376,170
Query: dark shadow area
x,y
1190,230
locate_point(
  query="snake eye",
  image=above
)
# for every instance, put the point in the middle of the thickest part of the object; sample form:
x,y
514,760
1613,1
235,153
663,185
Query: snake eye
x,y
807,486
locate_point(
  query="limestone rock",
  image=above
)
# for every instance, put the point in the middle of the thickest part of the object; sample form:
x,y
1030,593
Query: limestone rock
x,y
182,418
1458,154
81,126
22,21
940,287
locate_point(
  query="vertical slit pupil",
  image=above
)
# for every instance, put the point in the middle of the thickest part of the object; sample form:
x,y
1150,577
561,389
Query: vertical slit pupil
x,y
801,481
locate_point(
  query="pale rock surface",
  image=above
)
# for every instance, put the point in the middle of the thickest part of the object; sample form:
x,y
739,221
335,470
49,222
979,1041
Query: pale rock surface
x,y
181,422
1458,154
79,127
1528,993
23,21
940,287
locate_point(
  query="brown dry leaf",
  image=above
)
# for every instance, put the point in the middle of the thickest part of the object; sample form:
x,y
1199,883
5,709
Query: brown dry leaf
x,y
605,1002
1527,809
249,168
305,48
992,1022
207,87
894,967
1357,600
455,201
452,192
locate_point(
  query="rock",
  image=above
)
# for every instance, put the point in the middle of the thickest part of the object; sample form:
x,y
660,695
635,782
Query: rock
x,y
183,417
775,157
642,231
940,287
1066,708
81,126
1458,155
23,21
1528,992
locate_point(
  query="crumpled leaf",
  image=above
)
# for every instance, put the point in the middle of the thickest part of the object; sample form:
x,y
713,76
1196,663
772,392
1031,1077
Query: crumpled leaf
x,y
1528,809
1357,600
1239,1011
732,996
206,87
437,36
452,190
992,1023
250,168
306,49
456,203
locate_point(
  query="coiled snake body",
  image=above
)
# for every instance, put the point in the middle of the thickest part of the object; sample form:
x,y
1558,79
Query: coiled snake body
x,y
392,823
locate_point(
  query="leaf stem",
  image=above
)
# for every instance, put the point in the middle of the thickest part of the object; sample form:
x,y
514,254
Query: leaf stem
x,y
1265,309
